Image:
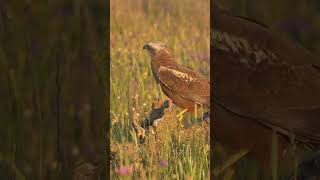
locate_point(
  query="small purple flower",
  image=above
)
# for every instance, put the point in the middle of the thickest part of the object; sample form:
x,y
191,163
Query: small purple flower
x,y
163,163
124,170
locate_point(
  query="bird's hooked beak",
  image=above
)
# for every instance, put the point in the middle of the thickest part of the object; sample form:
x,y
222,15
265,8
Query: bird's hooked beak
x,y
146,46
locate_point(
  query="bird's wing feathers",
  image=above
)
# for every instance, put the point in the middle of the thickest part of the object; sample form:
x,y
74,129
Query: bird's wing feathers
x,y
290,78
287,98
303,122
186,83
283,93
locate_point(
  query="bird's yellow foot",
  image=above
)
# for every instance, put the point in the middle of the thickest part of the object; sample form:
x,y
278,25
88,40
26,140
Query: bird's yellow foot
x,y
180,115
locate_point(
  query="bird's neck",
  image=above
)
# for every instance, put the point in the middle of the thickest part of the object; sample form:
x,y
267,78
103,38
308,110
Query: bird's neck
x,y
158,60
161,59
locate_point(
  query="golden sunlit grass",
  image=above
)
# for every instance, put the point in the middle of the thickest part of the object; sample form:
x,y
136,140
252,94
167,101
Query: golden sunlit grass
x,y
184,26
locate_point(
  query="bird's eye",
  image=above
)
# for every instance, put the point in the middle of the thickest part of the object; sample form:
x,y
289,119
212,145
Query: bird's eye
x,y
164,46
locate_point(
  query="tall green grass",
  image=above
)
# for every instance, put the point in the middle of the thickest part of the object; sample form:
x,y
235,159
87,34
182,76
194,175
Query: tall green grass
x,y
183,25
52,68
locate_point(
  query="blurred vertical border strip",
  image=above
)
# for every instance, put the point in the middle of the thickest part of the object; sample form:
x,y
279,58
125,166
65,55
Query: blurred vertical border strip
x,y
108,118
211,89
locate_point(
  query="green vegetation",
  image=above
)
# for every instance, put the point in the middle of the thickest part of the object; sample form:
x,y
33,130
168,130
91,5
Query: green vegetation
x,y
53,98
184,26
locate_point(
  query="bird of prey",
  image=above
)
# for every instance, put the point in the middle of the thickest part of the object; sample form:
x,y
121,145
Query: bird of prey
x,y
184,86
262,82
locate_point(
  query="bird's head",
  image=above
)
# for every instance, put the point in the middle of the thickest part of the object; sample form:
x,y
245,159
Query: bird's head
x,y
155,47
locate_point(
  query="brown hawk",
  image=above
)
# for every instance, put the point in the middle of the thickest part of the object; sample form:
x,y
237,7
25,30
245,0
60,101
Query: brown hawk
x,y
262,82
184,86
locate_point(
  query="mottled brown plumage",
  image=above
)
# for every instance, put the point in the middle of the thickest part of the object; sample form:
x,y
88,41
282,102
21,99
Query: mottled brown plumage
x,y
184,86
262,81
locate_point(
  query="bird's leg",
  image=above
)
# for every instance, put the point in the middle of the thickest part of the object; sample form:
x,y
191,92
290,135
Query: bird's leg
x,y
204,115
180,117
181,113
195,110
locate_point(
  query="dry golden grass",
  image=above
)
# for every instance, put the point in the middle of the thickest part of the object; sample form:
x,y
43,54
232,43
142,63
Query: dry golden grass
x,y
184,26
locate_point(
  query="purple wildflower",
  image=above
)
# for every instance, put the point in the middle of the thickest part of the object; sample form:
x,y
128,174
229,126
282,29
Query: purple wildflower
x,y
163,163
124,170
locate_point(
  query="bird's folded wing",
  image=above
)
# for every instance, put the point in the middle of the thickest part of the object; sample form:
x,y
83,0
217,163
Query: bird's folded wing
x,y
304,123
186,83
288,105
282,92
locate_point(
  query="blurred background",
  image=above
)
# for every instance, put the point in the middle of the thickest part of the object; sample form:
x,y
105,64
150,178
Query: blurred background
x,y
53,91
297,19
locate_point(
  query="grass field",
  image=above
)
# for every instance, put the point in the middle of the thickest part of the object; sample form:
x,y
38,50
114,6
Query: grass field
x,y
184,26
53,87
